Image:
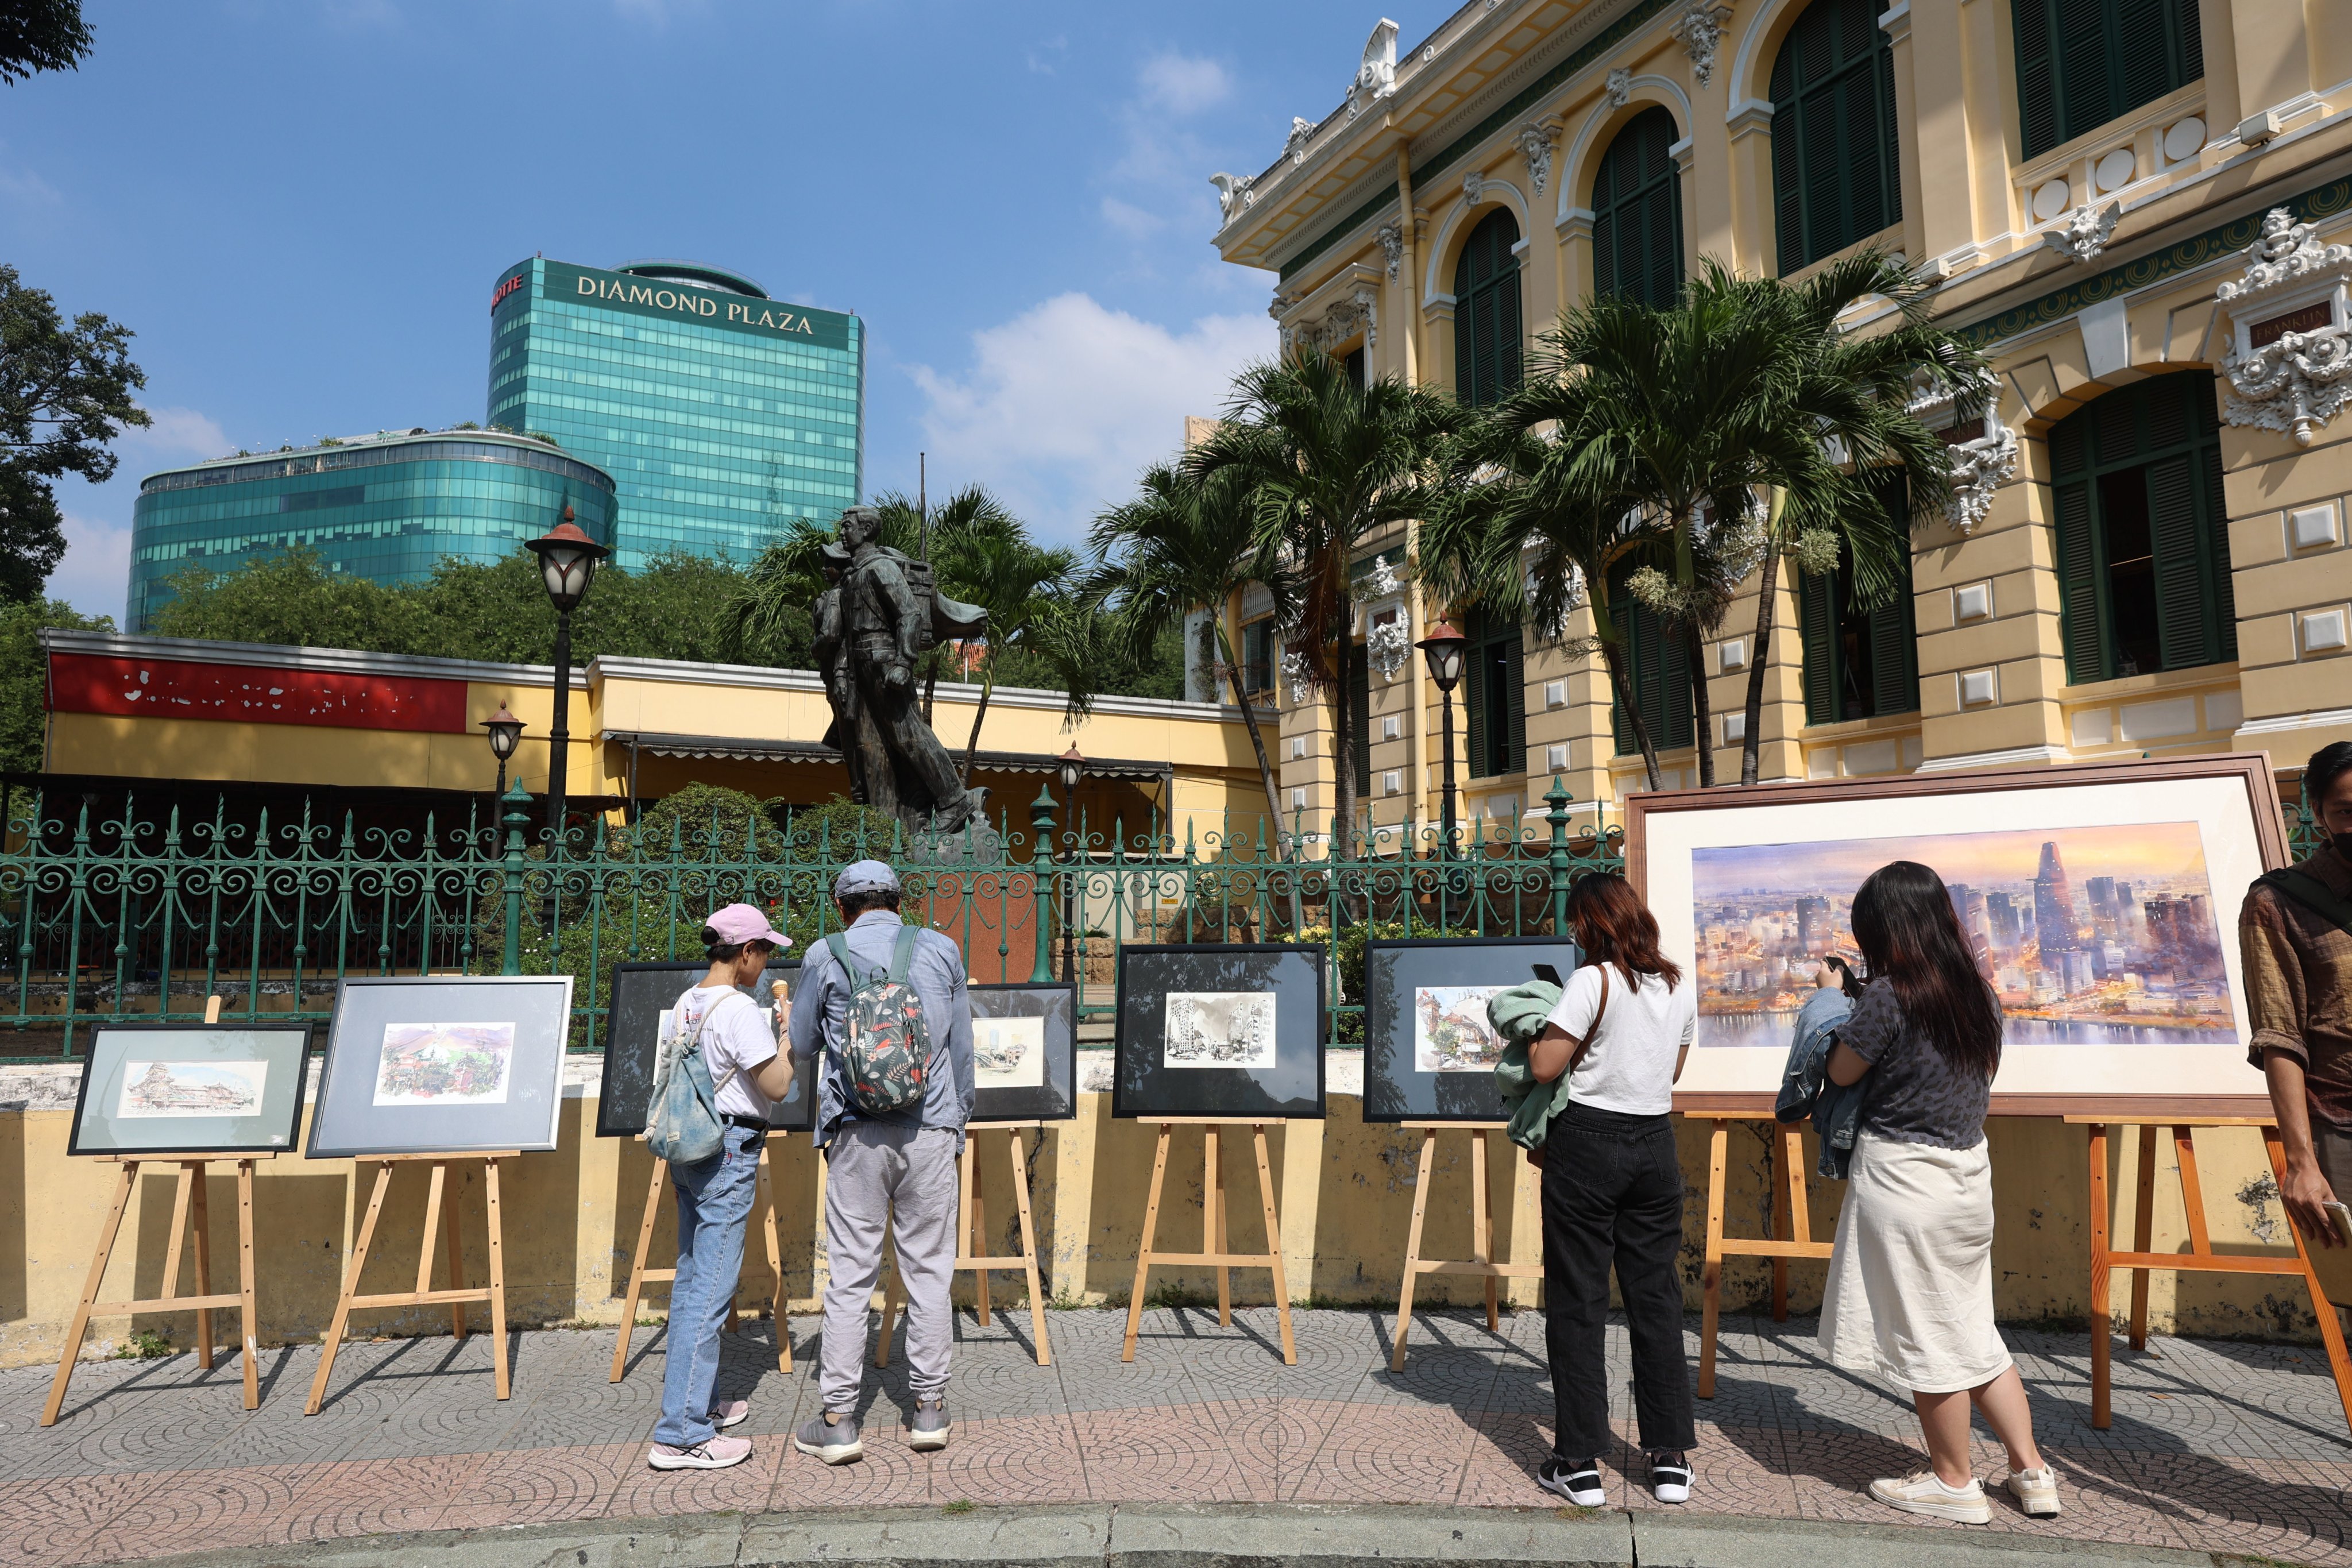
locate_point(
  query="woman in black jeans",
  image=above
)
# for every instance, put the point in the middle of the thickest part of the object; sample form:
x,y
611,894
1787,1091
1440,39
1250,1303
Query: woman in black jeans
x,y
1613,1191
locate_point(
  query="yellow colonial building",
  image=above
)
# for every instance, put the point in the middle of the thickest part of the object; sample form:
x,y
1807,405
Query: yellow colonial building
x,y
2140,209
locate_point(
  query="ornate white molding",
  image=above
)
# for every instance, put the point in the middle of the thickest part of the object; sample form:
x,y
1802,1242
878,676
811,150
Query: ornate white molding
x,y
2085,232
1619,87
1294,675
1301,131
1535,145
1700,29
1376,77
2298,378
1233,194
1390,237
1388,645
1473,188
1978,469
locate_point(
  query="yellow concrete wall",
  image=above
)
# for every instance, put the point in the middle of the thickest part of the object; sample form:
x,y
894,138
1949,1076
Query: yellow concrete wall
x,y
1346,1191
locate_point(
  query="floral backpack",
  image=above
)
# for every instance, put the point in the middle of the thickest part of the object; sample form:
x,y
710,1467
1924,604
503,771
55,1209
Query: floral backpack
x,y
886,1053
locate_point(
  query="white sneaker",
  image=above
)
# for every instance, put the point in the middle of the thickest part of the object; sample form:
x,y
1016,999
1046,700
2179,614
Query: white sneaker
x,y
2035,1490
1925,1493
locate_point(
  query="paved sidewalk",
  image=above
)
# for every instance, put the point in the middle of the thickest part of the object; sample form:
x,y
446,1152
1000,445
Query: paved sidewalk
x,y
2215,1446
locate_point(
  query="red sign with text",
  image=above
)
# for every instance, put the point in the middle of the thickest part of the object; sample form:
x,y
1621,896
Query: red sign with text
x,y
182,688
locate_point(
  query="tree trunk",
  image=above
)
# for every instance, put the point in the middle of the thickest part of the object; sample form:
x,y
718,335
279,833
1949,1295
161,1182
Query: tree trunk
x,y
971,745
1343,757
1768,592
1702,711
1264,765
1624,694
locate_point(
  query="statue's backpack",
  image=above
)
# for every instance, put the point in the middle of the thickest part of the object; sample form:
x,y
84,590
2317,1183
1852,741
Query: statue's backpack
x,y
886,1053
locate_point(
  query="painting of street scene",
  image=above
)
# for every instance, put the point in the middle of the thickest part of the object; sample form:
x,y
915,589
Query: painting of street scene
x,y
191,1089
1008,1053
444,1064
1450,1031
2105,935
1220,1029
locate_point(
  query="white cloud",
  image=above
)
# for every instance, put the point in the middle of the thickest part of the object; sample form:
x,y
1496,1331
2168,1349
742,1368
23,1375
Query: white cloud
x,y
1132,220
1185,85
1065,404
176,433
95,575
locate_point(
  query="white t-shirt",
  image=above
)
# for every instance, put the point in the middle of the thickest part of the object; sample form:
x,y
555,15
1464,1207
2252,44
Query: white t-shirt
x,y
1630,1065
739,1036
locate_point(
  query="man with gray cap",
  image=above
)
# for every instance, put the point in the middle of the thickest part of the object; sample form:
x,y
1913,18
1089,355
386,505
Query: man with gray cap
x,y
896,1167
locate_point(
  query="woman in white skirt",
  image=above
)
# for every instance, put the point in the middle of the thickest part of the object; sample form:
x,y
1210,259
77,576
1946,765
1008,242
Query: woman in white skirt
x,y
1910,1289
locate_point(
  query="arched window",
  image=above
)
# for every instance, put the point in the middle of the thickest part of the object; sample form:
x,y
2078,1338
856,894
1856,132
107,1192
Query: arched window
x,y
2143,541
1486,311
2081,63
1637,213
1657,670
1834,179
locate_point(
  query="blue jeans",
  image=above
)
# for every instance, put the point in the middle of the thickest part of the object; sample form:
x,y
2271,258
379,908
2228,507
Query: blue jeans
x,y
714,1200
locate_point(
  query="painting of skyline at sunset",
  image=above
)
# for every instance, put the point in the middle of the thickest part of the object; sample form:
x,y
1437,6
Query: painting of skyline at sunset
x,y
2091,935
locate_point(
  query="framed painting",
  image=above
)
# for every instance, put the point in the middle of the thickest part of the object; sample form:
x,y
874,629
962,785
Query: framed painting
x,y
191,1089
1429,1052
2102,898
638,1011
1025,1052
1219,1030
420,1064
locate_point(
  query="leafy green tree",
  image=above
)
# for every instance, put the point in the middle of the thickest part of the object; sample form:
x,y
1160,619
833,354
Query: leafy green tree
x,y
292,599
1326,464
41,36
66,392
24,676
1030,594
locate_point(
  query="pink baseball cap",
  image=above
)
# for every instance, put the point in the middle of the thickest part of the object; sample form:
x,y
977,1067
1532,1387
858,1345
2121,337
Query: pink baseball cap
x,y
739,923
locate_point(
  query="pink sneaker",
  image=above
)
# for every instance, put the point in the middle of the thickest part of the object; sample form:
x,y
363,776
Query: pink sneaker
x,y
716,1455
730,1413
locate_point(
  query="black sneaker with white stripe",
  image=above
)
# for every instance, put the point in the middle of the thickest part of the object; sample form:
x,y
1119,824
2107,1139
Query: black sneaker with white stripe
x,y
1578,1480
1670,1476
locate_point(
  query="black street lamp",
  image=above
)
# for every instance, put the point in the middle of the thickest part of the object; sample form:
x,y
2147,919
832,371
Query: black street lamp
x,y
567,565
1442,651
506,733
1072,767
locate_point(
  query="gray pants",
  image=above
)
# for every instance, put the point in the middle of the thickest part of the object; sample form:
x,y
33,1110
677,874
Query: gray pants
x,y
874,1173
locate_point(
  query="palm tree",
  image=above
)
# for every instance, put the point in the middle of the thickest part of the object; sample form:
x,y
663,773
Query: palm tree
x,y
1029,594
1326,464
1187,542
1849,395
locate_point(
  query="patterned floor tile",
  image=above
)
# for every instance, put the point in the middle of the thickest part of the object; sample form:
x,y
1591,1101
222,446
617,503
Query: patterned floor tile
x,y
49,1521
196,1511
1156,1454
1378,1453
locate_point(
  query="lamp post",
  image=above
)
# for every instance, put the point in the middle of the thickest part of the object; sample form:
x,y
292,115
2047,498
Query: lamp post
x,y
506,733
1072,767
1442,651
567,565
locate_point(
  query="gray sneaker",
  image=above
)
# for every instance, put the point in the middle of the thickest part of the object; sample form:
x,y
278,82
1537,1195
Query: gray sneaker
x,y
835,1442
928,1429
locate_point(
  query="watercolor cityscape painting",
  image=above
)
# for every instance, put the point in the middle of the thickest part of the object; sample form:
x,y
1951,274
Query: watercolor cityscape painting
x,y
1450,1033
444,1064
2091,935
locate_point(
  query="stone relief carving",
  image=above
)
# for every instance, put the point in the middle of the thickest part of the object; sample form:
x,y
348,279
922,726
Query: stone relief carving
x,y
1376,77
1979,467
1388,645
2085,233
1620,87
1301,131
1535,142
1392,241
1699,29
1233,193
2300,376
1294,675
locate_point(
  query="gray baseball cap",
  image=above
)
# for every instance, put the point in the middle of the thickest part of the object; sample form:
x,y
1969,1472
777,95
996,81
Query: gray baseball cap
x,y
865,877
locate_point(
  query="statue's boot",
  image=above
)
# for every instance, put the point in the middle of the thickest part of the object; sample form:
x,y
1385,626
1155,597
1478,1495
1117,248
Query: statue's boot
x,y
960,812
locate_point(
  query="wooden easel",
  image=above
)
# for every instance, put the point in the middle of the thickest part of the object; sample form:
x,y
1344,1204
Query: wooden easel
x,y
2201,1258
1482,1230
972,1235
763,1200
440,1203
1213,1226
1790,1212
190,1215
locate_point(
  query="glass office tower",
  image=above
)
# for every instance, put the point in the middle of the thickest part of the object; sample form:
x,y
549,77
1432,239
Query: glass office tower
x,y
720,413
388,507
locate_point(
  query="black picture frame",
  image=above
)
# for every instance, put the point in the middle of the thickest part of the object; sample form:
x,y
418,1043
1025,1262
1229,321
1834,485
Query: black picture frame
x,y
1397,1087
273,1128
634,1003
348,1124
1055,1098
1144,1087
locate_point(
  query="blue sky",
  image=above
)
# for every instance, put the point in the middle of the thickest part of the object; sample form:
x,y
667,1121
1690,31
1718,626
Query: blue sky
x,y
301,207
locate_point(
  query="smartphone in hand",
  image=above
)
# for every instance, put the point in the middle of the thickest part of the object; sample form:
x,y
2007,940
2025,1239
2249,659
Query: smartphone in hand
x,y
1548,974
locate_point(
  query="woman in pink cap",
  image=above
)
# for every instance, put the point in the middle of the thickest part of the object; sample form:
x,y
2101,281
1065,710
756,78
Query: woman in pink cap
x,y
714,1197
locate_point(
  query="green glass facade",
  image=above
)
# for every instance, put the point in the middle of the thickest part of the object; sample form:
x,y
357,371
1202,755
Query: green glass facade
x,y
386,507
720,413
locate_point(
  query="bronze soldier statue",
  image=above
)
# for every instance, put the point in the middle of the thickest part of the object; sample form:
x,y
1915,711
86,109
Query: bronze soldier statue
x,y
885,613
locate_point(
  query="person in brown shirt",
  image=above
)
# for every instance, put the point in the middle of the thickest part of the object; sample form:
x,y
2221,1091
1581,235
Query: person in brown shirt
x,y
2298,968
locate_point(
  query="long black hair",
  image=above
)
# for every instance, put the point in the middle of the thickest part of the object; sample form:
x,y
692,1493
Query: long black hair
x,y
1911,938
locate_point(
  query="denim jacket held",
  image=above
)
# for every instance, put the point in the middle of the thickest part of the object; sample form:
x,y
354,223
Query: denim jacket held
x,y
1805,1086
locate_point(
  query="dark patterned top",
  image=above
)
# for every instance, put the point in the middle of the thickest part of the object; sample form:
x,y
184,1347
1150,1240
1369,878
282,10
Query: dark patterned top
x,y
1911,1095
2298,965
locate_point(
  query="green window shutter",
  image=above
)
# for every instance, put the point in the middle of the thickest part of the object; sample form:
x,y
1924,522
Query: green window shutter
x,y
2084,66
1515,682
1465,385
1817,634
2150,68
2078,584
1675,688
2217,555
1605,225
1894,656
1787,184
1510,327
2189,26
2182,579
1474,707
2037,88
1835,177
